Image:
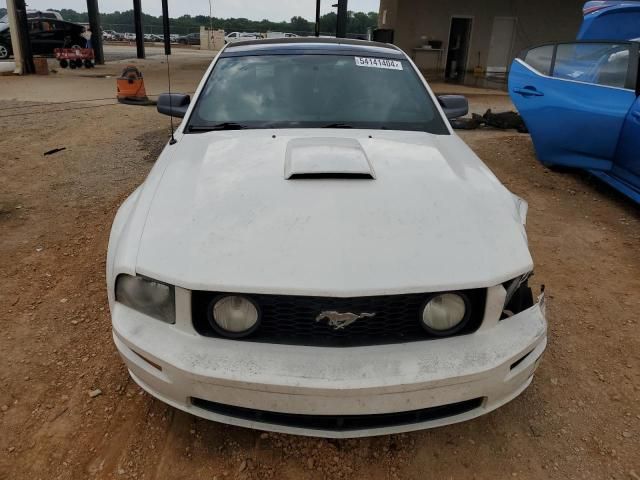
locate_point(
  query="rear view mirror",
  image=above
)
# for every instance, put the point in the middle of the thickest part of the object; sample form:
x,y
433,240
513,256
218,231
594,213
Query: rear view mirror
x,y
454,106
173,104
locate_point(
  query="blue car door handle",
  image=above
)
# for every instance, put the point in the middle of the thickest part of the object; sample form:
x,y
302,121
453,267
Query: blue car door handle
x,y
528,91
636,115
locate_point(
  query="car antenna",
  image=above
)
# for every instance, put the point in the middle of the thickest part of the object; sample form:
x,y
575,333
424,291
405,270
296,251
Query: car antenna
x,y
173,139
167,52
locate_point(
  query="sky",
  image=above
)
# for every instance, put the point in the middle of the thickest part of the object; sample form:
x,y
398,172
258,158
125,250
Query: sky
x,y
253,9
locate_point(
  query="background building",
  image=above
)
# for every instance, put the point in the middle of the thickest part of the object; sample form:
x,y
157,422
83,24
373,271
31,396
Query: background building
x,y
466,34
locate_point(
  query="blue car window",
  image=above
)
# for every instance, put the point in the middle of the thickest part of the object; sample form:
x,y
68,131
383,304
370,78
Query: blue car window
x,y
540,58
597,63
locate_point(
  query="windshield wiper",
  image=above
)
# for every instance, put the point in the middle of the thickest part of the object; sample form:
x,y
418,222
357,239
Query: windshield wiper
x,y
219,126
337,125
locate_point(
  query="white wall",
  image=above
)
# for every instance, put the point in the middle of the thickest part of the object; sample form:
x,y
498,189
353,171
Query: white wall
x,y
538,21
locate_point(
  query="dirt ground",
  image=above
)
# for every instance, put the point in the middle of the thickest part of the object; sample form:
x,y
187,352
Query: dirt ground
x,y
579,419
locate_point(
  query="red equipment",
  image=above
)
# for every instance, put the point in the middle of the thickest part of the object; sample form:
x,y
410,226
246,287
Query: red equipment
x,y
74,57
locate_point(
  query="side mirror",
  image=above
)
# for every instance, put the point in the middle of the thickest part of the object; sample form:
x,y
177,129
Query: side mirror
x,y
173,104
454,106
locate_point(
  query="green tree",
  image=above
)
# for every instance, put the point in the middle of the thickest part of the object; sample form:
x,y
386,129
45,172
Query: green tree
x,y
123,22
299,24
328,23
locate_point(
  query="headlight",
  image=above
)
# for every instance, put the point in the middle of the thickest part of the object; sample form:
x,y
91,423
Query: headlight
x,y
445,314
234,316
147,296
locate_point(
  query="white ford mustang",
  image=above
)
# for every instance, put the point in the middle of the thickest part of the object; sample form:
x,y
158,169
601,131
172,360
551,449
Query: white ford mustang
x,y
316,252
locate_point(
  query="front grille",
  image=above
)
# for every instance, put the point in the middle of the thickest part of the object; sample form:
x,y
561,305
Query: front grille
x,y
340,423
291,320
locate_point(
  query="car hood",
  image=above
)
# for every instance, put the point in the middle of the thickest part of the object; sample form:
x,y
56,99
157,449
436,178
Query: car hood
x,y
225,218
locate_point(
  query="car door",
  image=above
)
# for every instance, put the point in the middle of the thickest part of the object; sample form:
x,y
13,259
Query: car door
x,y
64,33
50,35
627,162
37,37
574,99
73,34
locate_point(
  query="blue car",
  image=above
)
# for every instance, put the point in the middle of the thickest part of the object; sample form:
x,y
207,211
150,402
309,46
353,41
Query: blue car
x,y
610,19
580,100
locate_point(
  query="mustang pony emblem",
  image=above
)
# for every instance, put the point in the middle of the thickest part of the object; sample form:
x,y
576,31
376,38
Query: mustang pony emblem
x,y
339,320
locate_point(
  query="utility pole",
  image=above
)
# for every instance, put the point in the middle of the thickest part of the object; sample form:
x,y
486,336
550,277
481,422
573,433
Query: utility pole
x,y
96,31
317,18
341,24
19,30
165,27
137,20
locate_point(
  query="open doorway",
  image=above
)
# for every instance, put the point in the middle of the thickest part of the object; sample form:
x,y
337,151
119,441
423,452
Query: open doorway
x,y
458,48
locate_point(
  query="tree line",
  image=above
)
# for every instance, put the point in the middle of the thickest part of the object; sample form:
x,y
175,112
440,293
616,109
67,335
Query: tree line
x,y
358,22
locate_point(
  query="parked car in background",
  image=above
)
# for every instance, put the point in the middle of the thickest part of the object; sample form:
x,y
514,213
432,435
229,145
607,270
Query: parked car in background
x,y
190,39
240,36
364,274
580,100
113,35
607,20
130,37
45,34
281,35
150,37
50,14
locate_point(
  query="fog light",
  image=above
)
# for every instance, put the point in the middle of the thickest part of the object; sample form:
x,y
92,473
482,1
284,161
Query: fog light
x,y
234,316
445,314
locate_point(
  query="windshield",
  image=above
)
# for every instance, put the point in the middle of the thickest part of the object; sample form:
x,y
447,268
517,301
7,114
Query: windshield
x,y
309,91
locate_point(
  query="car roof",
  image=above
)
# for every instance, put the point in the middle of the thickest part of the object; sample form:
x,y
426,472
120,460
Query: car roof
x,y
46,19
312,45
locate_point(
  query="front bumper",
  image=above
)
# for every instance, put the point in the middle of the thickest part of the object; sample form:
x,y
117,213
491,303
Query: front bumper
x,y
483,370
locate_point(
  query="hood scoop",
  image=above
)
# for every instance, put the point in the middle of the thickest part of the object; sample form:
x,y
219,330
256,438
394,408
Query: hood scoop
x,y
326,158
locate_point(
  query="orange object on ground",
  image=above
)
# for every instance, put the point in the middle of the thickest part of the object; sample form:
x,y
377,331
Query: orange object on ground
x,y
130,86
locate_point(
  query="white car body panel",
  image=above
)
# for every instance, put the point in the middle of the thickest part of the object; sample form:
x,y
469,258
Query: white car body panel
x,y
328,381
218,213
434,218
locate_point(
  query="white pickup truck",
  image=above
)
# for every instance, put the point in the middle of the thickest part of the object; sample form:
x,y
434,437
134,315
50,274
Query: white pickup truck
x,y
241,36
281,35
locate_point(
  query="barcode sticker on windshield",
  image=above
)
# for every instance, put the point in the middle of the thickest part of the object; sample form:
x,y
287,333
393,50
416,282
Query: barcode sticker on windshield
x,y
378,63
